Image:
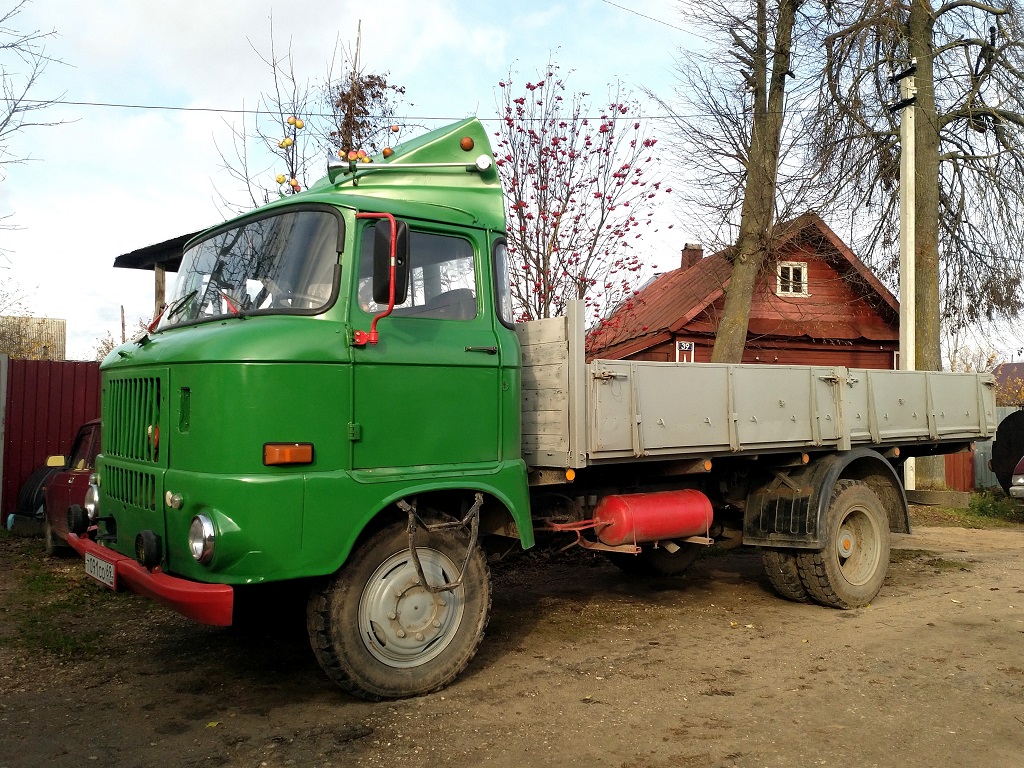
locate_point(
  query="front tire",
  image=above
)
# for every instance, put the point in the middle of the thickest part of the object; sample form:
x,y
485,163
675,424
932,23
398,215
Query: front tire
x,y
55,547
849,571
379,634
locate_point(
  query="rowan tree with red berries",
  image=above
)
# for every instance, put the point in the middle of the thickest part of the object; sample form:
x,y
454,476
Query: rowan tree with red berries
x,y
580,187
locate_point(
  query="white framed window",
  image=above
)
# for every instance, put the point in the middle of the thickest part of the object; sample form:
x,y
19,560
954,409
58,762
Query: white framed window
x,y
791,279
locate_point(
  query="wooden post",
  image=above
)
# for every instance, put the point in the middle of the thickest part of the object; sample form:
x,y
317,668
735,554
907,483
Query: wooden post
x,y
160,282
908,267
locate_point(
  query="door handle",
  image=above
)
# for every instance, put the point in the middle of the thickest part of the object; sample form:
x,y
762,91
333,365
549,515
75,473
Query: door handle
x,y
486,350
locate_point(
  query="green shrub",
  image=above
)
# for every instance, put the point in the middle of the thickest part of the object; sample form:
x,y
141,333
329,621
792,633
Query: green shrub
x,y
996,505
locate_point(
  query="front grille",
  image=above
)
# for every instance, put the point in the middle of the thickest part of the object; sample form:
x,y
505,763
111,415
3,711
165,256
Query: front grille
x,y
131,418
134,487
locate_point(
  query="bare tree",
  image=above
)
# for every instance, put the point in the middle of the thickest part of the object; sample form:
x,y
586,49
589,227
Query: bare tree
x,y
968,59
15,339
23,60
297,123
737,134
579,192
968,63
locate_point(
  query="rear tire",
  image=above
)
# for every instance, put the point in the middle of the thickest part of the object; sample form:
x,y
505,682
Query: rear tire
x,y
658,562
849,571
379,634
780,565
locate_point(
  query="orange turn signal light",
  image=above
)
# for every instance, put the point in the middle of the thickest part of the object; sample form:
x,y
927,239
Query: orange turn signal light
x,y
276,454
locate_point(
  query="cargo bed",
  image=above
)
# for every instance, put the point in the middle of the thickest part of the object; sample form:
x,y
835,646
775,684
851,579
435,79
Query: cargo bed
x,y
578,414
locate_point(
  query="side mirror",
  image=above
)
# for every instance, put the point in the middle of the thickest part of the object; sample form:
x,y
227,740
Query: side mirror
x,y
55,461
382,262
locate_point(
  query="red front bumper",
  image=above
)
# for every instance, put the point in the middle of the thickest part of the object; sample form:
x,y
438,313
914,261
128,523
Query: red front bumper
x,y
205,603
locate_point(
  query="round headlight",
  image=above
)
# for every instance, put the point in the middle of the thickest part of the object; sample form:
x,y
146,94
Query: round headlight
x,y
200,538
92,503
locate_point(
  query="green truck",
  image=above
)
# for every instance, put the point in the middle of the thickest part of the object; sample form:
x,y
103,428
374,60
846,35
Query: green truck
x,y
336,396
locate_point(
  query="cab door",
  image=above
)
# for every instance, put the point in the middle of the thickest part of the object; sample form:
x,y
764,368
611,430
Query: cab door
x,y
428,393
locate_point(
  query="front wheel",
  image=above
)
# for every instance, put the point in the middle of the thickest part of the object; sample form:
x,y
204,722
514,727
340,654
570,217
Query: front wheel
x,y
379,634
850,570
55,546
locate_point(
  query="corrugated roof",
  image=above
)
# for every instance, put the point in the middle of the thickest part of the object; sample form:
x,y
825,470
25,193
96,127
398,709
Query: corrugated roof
x,y
666,303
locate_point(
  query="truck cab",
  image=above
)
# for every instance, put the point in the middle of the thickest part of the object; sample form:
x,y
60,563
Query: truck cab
x,y
324,365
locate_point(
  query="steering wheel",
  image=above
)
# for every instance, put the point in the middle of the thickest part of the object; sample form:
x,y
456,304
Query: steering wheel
x,y
289,299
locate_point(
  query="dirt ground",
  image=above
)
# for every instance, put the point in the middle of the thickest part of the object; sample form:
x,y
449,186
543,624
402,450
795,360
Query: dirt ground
x,y
582,665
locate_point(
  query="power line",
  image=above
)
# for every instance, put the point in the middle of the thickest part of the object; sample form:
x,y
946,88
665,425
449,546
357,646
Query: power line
x,y
641,15
450,118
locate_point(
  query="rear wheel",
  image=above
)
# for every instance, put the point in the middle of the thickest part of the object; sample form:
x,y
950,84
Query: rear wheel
x,y
658,561
784,574
379,633
850,570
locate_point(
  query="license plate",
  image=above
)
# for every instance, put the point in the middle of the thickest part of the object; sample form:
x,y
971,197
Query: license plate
x,y
100,570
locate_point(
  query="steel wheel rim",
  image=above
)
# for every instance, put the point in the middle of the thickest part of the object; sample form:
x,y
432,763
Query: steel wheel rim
x,y
402,624
857,546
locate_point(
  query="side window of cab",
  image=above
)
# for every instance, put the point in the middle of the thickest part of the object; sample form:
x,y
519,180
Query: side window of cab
x,y
442,278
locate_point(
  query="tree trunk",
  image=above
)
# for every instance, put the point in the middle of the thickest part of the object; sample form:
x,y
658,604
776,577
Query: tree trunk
x,y
757,213
928,357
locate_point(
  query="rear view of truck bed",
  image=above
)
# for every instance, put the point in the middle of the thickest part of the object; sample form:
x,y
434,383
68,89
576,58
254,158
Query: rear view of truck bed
x,y
578,414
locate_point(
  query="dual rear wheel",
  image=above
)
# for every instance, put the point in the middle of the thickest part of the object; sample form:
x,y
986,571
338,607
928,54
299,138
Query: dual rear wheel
x,y
849,571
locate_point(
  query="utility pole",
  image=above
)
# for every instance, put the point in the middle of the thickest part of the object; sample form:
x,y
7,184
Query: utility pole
x,y
908,267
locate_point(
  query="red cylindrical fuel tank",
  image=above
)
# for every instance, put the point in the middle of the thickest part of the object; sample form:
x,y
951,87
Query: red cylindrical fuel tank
x,y
647,517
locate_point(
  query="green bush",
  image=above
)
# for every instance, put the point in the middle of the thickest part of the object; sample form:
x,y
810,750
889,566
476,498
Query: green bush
x,y
996,505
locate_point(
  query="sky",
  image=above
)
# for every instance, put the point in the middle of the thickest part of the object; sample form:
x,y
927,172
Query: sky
x,y
109,180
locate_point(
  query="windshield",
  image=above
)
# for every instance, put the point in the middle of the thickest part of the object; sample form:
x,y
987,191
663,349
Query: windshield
x,y
283,263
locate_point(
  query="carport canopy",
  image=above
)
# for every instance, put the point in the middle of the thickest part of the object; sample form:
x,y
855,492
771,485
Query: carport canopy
x,y
161,258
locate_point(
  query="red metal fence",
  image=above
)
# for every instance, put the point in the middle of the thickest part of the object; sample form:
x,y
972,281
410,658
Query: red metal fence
x,y
960,471
47,401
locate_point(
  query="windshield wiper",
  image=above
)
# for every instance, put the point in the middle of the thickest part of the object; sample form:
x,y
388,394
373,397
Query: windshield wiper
x,y
170,310
178,305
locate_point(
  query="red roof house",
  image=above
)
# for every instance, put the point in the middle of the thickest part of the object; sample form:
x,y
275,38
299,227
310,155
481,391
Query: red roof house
x,y
816,303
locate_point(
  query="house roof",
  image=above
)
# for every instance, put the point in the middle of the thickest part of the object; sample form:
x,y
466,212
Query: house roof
x,y
672,300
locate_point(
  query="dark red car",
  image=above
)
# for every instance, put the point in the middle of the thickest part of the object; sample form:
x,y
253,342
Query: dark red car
x,y
68,486
1016,489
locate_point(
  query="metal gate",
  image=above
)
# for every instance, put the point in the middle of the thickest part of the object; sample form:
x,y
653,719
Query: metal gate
x,y
43,403
983,476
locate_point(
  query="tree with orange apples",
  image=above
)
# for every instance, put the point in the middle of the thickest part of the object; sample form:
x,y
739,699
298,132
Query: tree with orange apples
x,y
298,123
